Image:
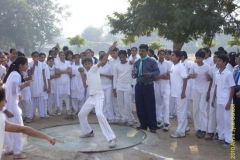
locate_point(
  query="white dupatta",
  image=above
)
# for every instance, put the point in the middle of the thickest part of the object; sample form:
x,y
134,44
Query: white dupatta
x,y
76,82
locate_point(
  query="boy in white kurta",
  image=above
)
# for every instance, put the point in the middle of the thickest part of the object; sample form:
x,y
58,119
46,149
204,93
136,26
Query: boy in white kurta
x,y
95,100
122,80
224,91
162,91
198,73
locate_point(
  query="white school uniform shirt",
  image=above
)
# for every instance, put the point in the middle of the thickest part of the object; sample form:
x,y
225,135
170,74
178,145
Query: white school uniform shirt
x,y
26,92
47,77
37,86
94,81
2,71
200,82
64,78
209,61
229,67
9,63
122,77
113,62
187,65
76,82
177,74
164,68
134,80
2,130
224,81
53,82
107,70
212,72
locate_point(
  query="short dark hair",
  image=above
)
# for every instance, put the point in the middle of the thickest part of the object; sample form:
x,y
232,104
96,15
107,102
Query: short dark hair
x,y
67,53
143,46
12,49
178,54
224,58
115,49
42,54
35,52
87,60
208,51
65,48
6,53
2,94
151,51
184,54
161,51
122,52
50,58
50,52
218,53
134,48
169,52
20,54
76,55
200,53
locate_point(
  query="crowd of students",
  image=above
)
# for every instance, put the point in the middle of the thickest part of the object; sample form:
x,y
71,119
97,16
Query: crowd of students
x,y
212,82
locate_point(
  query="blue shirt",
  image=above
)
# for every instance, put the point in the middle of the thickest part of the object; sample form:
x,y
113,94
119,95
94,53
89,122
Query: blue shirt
x,y
148,66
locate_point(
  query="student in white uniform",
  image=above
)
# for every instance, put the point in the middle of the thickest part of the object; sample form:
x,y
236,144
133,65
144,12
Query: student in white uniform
x,y
187,66
95,100
208,59
39,84
122,80
77,88
231,64
2,69
178,80
63,68
212,109
162,91
52,95
89,54
42,57
198,73
113,61
13,84
69,56
15,128
106,76
223,95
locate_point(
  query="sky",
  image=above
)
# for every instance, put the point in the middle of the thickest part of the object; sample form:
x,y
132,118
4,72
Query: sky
x,y
89,13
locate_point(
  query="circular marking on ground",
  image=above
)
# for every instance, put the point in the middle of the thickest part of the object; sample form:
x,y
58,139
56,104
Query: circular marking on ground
x,y
126,137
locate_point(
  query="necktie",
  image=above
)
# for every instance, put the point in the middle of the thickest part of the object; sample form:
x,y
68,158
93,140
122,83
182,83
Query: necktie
x,y
237,75
140,65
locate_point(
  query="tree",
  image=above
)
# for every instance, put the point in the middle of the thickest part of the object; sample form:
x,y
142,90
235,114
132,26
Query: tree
x,y
58,46
77,40
207,45
92,34
234,41
180,21
128,40
155,45
31,23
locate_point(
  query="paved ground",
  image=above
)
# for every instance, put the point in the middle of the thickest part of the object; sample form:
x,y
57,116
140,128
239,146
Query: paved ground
x,y
156,146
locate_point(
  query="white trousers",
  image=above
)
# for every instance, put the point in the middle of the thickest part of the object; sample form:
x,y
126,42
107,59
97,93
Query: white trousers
x,y
37,102
115,108
108,104
172,105
224,123
95,101
45,102
52,102
181,114
27,108
188,107
199,110
125,105
211,114
162,96
66,98
14,141
77,104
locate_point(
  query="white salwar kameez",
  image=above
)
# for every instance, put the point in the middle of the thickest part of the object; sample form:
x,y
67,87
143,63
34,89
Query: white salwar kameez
x,y
37,88
13,141
63,86
2,130
52,96
77,89
45,94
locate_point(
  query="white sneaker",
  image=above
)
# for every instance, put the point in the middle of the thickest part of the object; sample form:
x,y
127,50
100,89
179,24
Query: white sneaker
x,y
177,135
47,116
91,134
187,129
171,116
112,143
160,124
59,113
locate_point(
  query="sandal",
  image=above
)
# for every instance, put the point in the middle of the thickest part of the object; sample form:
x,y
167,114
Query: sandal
x,y
22,155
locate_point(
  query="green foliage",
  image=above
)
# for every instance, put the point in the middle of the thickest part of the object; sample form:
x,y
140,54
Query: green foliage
x,y
30,23
208,45
155,45
178,20
77,40
233,41
58,46
128,40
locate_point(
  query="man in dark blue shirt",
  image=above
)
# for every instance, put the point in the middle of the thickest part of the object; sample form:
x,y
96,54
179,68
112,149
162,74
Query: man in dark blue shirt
x,y
145,70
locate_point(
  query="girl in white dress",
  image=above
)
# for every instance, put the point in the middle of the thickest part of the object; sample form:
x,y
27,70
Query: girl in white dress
x,y
77,89
63,68
52,95
69,56
39,84
13,84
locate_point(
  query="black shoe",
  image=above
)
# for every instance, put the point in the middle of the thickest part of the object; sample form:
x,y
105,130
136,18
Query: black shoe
x,y
142,128
202,134
198,132
153,130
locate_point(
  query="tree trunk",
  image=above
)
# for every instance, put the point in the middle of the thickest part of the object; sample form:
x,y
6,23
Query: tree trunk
x,y
177,46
